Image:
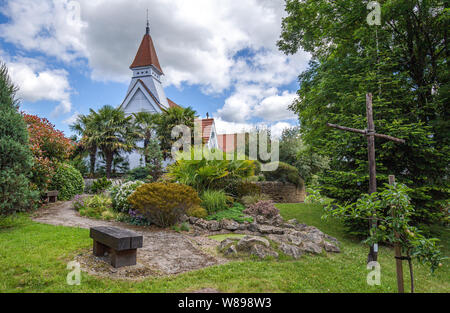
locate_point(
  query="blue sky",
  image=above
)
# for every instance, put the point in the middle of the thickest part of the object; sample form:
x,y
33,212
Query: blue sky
x,y
218,57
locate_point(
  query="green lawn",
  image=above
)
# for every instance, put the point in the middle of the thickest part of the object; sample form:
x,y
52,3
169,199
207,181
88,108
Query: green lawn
x,y
33,258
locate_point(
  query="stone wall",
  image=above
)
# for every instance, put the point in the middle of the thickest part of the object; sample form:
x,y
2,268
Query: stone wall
x,y
283,192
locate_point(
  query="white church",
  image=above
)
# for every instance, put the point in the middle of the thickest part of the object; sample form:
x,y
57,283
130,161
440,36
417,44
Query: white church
x,y
146,94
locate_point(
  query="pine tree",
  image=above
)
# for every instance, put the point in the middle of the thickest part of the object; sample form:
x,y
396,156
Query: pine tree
x,y
16,159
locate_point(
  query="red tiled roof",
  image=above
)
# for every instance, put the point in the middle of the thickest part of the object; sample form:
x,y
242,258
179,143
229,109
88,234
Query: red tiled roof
x,y
146,54
172,104
227,142
206,125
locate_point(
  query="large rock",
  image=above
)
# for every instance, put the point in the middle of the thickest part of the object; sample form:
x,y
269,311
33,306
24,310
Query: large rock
x,y
213,226
262,251
329,247
229,224
201,223
290,250
267,229
246,243
310,247
231,251
226,242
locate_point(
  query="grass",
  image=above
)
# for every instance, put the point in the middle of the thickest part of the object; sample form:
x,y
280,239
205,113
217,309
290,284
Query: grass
x,y
33,258
225,236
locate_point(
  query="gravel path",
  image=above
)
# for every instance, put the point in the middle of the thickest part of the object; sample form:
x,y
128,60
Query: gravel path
x,y
164,252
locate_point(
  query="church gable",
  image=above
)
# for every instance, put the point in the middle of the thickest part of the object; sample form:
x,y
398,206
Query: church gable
x,y
140,99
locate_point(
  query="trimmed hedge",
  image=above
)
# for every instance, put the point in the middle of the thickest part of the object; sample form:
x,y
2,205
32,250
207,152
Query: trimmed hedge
x,y
68,181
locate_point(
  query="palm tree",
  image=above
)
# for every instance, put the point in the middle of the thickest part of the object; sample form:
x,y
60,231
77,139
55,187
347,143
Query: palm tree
x,y
116,133
86,128
168,120
145,124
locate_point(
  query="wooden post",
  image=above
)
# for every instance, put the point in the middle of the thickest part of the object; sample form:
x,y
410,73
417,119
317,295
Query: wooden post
x,y
373,253
397,249
371,134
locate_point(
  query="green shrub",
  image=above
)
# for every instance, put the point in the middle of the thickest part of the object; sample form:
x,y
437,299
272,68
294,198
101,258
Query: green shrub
x,y
120,194
197,212
214,200
252,199
100,185
98,206
234,213
16,159
209,173
140,173
247,188
164,203
285,173
68,181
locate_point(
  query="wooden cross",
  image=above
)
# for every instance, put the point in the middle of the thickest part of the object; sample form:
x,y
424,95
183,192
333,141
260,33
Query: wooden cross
x,y
371,134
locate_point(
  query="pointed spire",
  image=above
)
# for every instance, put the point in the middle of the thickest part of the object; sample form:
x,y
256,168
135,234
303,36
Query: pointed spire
x,y
147,29
146,54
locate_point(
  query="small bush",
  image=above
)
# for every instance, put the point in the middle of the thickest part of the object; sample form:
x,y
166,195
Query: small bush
x,y
133,218
95,207
252,199
140,173
285,173
197,212
164,203
234,213
120,194
214,200
264,208
100,185
68,181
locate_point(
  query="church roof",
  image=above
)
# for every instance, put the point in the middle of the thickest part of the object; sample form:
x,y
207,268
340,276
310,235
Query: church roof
x,y
172,104
206,125
146,54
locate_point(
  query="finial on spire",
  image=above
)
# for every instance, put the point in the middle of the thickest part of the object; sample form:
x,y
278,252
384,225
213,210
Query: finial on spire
x,y
147,29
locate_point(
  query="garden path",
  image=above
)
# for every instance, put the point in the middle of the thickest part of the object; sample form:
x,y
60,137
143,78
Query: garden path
x,y
164,252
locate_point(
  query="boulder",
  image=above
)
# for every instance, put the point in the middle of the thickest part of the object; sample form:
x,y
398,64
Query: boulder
x,y
201,223
213,226
253,227
231,251
310,247
262,251
225,243
329,247
267,229
290,250
229,224
192,220
246,243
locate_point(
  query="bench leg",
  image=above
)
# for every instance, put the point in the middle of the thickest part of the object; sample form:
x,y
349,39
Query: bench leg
x,y
123,258
99,249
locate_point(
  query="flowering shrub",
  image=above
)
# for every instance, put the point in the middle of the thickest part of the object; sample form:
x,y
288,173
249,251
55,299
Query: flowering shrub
x,y
120,194
49,147
164,203
264,208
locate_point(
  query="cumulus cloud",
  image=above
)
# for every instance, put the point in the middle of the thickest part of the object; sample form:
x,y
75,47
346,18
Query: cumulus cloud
x,y
38,83
225,127
217,45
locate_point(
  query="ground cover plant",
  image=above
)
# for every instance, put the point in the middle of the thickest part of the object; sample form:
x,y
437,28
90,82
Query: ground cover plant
x,y
234,213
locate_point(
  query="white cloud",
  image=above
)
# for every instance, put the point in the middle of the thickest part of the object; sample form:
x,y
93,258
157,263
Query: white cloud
x,y
71,119
275,107
198,43
37,83
224,127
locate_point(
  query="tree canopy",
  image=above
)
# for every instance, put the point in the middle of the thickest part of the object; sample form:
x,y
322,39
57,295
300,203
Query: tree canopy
x,y
403,62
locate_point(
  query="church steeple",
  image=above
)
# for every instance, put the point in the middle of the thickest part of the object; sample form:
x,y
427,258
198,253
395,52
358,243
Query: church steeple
x,y
147,29
146,54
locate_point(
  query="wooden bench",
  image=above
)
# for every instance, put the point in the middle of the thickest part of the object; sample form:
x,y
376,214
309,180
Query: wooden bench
x,y
120,244
51,196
